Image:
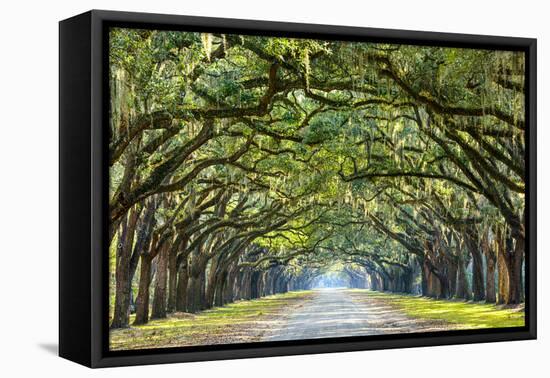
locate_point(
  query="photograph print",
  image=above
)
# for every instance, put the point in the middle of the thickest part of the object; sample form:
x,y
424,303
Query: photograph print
x,y
268,188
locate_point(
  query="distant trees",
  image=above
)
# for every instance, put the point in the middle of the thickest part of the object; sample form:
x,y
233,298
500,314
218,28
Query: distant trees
x,y
243,166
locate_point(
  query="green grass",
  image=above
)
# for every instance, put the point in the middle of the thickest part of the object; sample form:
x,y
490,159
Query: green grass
x,y
466,315
246,321
241,321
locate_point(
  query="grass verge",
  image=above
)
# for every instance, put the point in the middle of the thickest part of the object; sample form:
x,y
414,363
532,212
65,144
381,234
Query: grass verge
x,y
466,315
241,321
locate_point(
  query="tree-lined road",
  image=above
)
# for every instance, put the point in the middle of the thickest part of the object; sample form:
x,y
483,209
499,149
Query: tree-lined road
x,y
245,168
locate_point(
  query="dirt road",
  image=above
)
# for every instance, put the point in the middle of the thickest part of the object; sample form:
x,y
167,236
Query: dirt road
x,y
342,312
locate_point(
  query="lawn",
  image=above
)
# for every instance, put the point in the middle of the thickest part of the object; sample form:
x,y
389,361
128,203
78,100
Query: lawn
x,y
466,315
241,321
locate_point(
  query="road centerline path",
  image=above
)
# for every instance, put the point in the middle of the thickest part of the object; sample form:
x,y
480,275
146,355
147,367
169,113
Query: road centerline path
x,y
335,313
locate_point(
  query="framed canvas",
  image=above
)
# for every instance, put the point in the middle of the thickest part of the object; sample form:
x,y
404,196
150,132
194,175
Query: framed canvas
x,y
233,188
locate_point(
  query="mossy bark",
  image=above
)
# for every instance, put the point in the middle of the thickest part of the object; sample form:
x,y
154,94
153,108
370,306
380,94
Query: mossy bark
x,y
159,299
181,290
142,300
121,317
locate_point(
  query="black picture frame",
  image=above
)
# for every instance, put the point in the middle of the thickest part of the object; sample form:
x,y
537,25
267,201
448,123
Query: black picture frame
x,y
83,204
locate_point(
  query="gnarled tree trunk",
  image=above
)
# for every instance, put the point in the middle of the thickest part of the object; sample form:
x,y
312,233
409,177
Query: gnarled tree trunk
x,y
490,258
172,279
142,301
121,317
159,299
181,290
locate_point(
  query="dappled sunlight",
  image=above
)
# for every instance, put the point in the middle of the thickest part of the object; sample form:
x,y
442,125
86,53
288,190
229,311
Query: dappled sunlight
x,y
465,315
336,313
320,313
238,322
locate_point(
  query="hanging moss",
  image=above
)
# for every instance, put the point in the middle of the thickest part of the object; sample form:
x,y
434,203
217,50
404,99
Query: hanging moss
x,y
206,39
